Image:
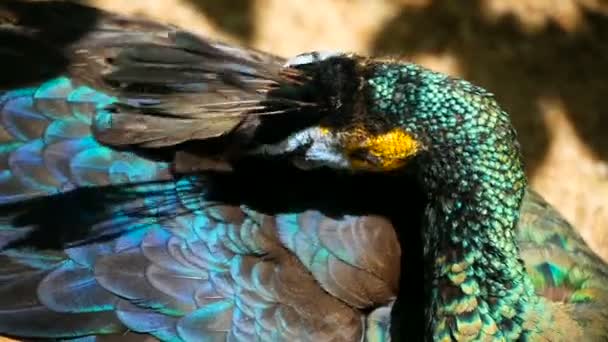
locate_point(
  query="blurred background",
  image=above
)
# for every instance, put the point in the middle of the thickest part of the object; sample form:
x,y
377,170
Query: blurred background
x,y
545,60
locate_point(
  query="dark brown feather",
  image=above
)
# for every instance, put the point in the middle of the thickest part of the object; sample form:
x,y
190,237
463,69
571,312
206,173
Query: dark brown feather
x,y
170,85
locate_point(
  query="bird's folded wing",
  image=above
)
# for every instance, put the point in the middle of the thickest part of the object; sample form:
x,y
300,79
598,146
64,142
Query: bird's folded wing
x,y
97,240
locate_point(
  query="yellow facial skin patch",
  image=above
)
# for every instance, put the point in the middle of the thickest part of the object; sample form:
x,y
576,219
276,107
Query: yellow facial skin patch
x,y
354,149
389,150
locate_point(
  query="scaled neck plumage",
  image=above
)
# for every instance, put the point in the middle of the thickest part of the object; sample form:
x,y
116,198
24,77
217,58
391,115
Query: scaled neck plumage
x,y
472,169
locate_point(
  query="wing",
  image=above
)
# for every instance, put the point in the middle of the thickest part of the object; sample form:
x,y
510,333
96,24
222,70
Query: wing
x,y
98,240
170,86
558,256
563,267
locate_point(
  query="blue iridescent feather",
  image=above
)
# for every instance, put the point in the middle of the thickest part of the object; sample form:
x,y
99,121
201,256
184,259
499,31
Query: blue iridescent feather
x,y
145,251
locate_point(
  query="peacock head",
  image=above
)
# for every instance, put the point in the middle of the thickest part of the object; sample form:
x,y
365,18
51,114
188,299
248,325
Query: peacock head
x,y
382,114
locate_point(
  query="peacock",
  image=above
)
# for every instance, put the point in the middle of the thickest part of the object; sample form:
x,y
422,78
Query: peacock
x,y
160,185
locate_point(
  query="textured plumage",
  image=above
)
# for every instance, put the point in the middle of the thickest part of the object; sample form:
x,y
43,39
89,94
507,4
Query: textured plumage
x,y
133,201
156,258
481,219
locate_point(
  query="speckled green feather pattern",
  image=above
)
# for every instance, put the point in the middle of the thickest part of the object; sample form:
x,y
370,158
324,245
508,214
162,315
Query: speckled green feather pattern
x,y
471,167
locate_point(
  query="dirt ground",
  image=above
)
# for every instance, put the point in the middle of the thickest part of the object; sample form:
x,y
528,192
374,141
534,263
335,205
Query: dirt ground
x,y
546,61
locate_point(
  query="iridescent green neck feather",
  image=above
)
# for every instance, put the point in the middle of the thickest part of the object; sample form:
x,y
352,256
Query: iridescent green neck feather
x,y
472,170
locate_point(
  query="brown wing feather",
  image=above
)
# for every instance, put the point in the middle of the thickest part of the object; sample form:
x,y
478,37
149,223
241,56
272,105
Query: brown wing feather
x,y
171,86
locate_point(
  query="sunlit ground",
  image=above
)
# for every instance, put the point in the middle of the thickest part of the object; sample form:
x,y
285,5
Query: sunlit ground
x,y
546,61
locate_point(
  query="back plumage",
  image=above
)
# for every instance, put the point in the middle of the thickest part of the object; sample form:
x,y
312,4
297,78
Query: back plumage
x,y
101,236
564,270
